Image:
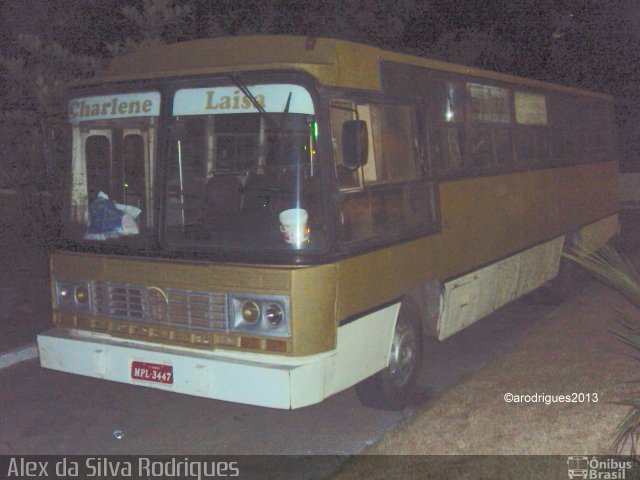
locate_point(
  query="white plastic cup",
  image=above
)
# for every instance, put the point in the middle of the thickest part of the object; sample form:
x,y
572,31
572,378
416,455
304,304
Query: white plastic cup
x,y
293,225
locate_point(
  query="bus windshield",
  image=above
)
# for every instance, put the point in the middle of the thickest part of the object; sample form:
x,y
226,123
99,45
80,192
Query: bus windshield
x,y
242,172
112,167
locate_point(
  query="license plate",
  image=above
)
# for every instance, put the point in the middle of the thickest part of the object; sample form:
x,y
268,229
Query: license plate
x,y
152,372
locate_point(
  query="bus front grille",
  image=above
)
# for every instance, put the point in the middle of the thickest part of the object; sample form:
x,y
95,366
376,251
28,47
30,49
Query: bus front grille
x,y
195,310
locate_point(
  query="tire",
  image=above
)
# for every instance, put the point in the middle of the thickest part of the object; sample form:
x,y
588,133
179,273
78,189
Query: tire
x,y
394,387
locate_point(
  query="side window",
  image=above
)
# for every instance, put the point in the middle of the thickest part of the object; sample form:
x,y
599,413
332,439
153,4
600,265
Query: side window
x,y
445,118
393,133
558,138
388,195
525,145
481,145
604,136
488,103
446,148
489,125
595,145
531,129
583,145
577,131
502,146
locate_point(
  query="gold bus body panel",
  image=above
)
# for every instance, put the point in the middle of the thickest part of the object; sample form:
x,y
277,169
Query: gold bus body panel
x,y
507,214
313,300
336,63
229,54
171,274
331,62
311,291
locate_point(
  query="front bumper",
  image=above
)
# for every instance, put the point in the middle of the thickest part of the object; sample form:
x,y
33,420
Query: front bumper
x,y
245,378
363,348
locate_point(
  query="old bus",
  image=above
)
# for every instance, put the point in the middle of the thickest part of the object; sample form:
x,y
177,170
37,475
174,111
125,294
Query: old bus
x,y
274,219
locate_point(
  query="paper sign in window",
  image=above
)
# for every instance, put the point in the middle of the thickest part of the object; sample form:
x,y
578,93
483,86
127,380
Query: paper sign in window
x,y
531,109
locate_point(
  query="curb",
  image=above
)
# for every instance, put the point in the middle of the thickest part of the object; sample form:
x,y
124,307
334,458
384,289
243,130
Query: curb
x,y
17,355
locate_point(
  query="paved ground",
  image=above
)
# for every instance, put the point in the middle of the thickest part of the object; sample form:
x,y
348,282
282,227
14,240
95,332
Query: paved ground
x,y
24,297
573,353
23,294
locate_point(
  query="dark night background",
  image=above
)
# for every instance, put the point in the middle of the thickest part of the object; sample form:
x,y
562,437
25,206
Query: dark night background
x,y
44,44
593,44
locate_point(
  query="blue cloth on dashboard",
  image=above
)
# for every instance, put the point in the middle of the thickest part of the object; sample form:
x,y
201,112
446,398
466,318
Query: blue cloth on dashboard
x,y
104,217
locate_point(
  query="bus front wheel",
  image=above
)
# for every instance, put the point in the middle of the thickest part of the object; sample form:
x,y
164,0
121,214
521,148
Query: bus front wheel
x,y
394,387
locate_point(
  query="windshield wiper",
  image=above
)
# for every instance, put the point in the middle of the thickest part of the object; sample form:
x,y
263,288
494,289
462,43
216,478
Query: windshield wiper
x,y
285,112
246,92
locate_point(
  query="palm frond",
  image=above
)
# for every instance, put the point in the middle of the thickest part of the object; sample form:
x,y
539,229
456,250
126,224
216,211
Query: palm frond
x,y
610,267
627,433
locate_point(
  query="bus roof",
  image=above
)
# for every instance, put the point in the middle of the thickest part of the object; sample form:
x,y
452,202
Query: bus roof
x,y
332,62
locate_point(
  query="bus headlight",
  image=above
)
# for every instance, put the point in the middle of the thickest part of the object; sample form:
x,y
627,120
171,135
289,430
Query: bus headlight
x,y
72,294
82,295
274,314
64,294
262,315
250,312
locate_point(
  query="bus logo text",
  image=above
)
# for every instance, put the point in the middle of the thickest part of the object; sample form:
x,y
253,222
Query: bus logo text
x,y
231,102
114,107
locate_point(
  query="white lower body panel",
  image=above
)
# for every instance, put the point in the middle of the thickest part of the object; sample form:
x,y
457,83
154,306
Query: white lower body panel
x,y
471,297
276,381
467,299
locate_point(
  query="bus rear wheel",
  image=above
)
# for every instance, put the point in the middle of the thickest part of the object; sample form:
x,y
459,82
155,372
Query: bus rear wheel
x,y
394,387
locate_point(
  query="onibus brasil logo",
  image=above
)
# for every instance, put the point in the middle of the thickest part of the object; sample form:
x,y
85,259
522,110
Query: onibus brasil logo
x,y
595,468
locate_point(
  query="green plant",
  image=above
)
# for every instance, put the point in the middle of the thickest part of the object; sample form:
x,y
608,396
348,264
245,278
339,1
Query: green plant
x,y
613,269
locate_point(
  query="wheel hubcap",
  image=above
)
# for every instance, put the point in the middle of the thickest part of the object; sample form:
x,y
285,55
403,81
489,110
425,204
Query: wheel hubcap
x,y
403,353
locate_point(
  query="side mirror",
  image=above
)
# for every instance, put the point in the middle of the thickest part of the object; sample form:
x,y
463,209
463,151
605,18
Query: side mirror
x,y
355,143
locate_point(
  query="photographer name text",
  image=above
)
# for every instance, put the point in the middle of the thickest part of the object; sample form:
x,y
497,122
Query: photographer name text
x,y
104,467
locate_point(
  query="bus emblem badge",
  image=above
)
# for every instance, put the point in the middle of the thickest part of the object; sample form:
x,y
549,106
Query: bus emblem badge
x,y
157,304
